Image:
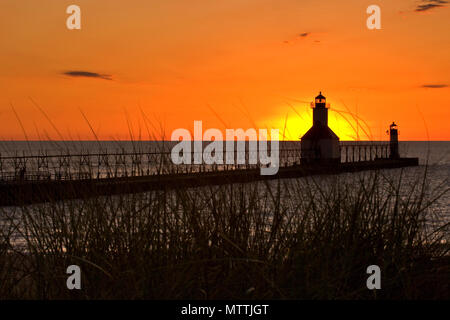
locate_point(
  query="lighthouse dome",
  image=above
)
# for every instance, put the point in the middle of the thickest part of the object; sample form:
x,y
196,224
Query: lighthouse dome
x,y
320,96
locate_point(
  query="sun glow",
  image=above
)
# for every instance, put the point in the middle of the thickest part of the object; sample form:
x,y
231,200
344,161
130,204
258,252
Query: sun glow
x,y
347,125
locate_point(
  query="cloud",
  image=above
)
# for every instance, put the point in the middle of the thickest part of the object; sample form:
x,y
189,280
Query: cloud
x,y
297,37
87,74
435,86
430,4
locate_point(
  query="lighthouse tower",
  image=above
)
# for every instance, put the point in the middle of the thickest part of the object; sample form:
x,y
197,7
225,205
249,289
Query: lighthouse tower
x,y
320,144
393,143
320,110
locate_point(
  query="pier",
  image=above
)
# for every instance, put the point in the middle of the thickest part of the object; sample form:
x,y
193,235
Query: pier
x,y
27,179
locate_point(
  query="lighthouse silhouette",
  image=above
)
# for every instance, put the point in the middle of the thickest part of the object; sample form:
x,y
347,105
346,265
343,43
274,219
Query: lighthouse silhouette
x,y
393,143
320,144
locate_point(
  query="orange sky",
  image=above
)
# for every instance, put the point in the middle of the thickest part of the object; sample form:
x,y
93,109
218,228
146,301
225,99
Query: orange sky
x,y
231,64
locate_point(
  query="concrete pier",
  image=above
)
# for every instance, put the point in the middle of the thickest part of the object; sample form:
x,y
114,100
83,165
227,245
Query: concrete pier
x,y
16,192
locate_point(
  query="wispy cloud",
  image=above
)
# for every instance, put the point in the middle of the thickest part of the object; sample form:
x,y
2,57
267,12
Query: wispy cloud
x,y
297,37
435,86
87,74
426,5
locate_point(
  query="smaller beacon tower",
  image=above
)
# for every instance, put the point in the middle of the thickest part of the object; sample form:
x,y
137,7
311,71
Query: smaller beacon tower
x,y
393,143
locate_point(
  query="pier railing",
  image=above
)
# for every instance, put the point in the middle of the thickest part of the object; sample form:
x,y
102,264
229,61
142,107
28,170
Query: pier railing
x,y
121,163
364,151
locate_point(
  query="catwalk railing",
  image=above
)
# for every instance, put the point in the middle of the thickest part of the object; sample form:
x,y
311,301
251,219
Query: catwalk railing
x,y
355,152
121,163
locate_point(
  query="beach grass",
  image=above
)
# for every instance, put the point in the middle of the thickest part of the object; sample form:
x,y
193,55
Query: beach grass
x,y
307,238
